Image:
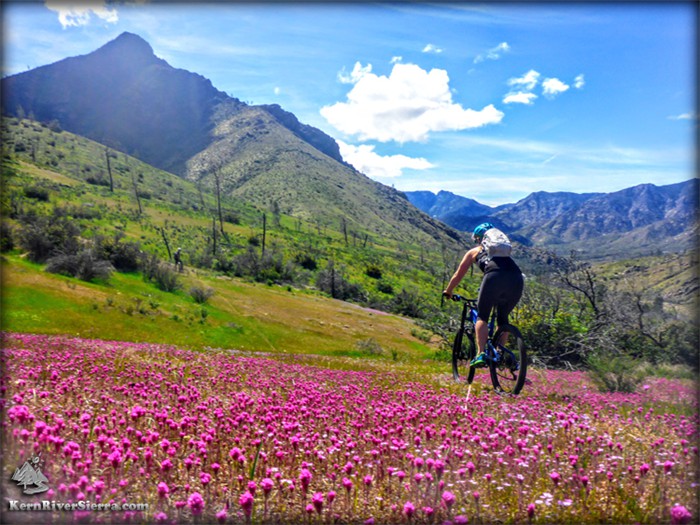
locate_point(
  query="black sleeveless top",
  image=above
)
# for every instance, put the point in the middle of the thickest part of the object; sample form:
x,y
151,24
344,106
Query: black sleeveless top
x,y
492,264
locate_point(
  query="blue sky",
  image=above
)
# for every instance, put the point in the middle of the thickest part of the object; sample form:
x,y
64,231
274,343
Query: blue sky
x,y
490,101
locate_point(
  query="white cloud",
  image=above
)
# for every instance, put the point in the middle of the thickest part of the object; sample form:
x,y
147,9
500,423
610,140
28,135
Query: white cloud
x,y
579,82
277,90
376,166
684,116
432,48
551,87
520,97
528,81
493,53
357,73
80,13
395,60
405,106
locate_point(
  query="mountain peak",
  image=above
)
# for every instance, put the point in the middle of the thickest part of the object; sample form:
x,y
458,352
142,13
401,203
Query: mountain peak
x,y
127,48
131,41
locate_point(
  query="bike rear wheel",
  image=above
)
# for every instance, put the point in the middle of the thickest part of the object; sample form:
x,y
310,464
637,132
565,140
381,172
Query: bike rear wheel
x,y
463,351
508,374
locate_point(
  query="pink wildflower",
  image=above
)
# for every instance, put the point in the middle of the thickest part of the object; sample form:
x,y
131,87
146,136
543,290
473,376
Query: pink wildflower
x,y
448,498
163,490
471,468
246,503
409,509
556,478
196,503
305,478
267,484
221,516
317,500
680,515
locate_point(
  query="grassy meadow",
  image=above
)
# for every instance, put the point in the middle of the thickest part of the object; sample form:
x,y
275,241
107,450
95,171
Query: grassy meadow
x,y
262,399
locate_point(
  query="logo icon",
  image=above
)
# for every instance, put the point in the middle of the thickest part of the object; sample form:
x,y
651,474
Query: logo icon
x,y
30,477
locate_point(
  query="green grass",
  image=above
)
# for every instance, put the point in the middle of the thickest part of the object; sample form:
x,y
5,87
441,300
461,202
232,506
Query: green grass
x,y
243,316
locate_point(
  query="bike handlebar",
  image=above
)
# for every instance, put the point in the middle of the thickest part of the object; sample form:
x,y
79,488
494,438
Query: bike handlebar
x,y
470,302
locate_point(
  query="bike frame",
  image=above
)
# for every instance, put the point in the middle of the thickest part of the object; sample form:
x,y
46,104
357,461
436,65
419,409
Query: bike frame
x,y
470,315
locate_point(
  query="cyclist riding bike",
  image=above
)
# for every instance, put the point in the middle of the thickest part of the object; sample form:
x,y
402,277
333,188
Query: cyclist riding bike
x,y
501,288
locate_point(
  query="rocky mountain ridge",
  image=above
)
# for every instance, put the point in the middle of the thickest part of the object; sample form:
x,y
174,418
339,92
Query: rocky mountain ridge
x,y
639,220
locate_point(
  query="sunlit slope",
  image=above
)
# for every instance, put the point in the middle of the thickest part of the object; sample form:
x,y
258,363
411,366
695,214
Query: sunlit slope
x,y
243,316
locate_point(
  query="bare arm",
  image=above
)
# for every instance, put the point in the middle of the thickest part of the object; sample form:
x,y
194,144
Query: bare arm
x,y
462,270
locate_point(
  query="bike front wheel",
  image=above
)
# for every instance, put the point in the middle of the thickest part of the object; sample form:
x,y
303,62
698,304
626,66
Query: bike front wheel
x,y
463,351
509,371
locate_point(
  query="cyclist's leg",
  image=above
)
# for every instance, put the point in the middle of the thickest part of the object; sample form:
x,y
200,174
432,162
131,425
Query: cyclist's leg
x,y
510,286
484,305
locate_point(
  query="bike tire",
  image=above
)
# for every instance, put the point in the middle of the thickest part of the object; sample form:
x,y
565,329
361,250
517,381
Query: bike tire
x,y
471,355
508,376
462,354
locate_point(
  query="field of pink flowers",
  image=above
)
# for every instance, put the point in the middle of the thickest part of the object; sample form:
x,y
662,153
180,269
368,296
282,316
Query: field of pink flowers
x,y
215,437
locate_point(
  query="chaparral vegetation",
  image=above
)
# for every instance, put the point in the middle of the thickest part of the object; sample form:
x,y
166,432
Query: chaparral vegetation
x,y
218,436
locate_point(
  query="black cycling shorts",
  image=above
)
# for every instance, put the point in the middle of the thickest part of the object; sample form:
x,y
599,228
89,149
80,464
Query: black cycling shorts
x,y
501,290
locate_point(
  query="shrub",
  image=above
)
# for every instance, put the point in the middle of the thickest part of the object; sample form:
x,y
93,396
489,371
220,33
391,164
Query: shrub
x,y
333,282
165,278
269,267
374,271
409,303
614,373
84,265
385,287
124,256
231,217
42,237
36,192
201,295
369,346
6,237
97,181
160,273
306,261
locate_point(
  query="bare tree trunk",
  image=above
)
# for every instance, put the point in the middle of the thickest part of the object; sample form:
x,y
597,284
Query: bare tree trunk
x,y
213,232
344,228
264,232
217,180
167,245
136,191
109,170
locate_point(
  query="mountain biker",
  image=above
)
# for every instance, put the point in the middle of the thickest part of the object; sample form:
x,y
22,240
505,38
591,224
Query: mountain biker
x,y
501,287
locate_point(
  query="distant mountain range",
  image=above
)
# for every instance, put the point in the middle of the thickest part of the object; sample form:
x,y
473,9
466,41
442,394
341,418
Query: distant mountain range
x,y
639,220
124,97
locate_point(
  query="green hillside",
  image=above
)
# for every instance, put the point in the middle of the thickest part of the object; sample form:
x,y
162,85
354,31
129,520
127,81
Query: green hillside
x,y
259,279
274,301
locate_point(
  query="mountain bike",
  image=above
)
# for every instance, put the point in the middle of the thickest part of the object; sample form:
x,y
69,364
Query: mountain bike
x,y
505,351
